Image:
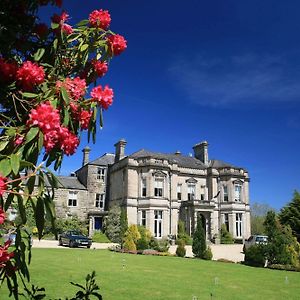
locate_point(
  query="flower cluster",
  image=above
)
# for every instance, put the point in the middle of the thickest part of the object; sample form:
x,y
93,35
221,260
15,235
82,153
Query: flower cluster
x,y
5,256
48,120
104,97
83,116
2,216
117,44
29,75
65,28
3,185
76,87
8,71
100,19
100,67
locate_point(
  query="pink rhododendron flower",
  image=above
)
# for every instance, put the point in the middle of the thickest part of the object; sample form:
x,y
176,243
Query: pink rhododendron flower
x,y
5,256
76,87
100,67
3,185
66,28
103,96
100,19
84,118
29,75
18,140
8,71
117,44
68,141
2,216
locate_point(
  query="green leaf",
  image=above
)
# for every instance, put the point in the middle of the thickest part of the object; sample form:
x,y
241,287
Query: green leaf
x,y
98,56
65,95
3,145
15,163
40,216
84,47
31,134
101,118
10,131
66,117
5,167
22,209
30,184
82,23
29,95
39,54
55,44
54,25
8,201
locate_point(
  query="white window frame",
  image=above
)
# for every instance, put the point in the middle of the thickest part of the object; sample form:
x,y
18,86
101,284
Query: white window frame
x,y
143,218
179,191
191,191
72,199
143,187
158,222
101,173
226,221
238,193
225,193
238,224
100,200
158,187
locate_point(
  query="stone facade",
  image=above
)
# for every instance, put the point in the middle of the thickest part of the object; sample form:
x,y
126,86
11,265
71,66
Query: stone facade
x,y
157,190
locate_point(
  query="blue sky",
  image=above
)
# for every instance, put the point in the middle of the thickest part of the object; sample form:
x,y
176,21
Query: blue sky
x,y
223,71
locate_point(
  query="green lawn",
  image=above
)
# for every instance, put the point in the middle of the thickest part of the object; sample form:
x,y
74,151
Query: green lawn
x,y
125,276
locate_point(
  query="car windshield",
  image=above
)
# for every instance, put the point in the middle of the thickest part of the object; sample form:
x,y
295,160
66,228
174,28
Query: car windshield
x,y
75,233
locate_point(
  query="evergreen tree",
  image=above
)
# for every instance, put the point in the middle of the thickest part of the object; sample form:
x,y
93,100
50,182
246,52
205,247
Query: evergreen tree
x,y
199,242
290,215
123,223
226,237
112,225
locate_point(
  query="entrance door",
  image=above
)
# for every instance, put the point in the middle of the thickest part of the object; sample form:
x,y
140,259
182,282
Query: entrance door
x,y
97,223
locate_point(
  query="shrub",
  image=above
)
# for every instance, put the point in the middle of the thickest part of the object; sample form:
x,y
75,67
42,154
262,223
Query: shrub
x,y
129,244
284,267
142,244
182,234
100,237
71,224
112,225
145,233
132,232
255,255
207,254
181,251
226,237
199,242
159,245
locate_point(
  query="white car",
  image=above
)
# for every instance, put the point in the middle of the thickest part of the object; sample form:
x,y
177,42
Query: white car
x,y
255,240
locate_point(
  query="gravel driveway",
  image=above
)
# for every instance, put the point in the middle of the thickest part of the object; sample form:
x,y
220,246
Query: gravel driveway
x,y
229,252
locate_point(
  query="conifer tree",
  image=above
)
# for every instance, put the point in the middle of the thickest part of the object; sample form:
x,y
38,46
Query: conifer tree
x,y
199,242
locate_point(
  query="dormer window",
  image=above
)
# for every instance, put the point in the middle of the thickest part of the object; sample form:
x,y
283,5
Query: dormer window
x,y
101,174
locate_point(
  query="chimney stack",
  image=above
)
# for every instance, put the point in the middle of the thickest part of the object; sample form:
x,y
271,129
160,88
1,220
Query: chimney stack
x,y
201,152
120,149
86,155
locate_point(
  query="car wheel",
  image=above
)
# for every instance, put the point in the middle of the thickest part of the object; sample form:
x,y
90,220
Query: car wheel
x,y
89,246
71,244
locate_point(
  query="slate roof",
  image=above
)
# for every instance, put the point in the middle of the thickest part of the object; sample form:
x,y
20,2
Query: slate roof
x,y
215,163
104,160
70,182
181,160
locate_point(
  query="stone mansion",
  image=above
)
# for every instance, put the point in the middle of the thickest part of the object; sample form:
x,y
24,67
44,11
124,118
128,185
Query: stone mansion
x,y
157,190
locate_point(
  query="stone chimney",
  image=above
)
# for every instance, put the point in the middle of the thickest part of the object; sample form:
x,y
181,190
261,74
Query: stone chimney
x,y
177,152
201,152
86,155
120,149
